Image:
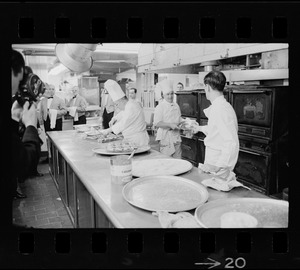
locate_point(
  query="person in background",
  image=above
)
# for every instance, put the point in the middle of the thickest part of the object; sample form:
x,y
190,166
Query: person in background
x,y
132,95
179,86
130,121
77,105
221,141
52,110
167,117
25,150
107,108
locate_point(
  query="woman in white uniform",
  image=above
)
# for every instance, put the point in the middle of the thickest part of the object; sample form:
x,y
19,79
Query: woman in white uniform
x,y
167,117
131,120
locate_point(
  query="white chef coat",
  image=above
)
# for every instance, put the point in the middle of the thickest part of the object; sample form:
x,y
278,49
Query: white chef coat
x,y
131,123
169,113
221,141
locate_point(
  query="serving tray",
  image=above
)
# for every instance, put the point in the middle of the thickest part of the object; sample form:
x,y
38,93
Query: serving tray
x,y
270,213
103,151
148,167
165,193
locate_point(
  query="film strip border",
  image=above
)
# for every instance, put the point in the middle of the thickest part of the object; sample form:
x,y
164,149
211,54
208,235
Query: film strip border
x,y
168,22
151,22
155,248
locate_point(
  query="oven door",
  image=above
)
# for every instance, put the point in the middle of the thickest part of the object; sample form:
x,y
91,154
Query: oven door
x,y
189,149
253,168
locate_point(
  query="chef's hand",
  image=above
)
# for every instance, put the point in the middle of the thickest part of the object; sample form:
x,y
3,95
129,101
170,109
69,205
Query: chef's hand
x,y
210,168
196,129
105,131
173,126
112,122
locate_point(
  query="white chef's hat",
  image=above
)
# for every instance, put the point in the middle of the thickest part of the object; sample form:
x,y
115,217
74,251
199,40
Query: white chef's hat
x,y
166,86
114,90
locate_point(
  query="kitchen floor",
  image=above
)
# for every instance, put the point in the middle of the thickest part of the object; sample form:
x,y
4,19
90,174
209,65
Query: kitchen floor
x,y
43,207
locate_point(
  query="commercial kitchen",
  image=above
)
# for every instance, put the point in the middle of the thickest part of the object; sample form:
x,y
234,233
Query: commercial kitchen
x,y
77,189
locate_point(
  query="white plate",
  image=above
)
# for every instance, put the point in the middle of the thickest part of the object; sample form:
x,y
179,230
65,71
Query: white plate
x,y
103,151
148,167
165,193
270,213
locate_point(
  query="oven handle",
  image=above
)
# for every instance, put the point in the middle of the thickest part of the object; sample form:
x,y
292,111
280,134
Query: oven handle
x,y
250,152
249,91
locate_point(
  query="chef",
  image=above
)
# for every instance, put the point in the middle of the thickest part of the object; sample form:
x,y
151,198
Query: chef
x,y
167,117
131,120
221,141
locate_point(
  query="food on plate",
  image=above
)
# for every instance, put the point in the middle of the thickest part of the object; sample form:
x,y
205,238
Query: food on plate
x,y
188,124
238,220
122,146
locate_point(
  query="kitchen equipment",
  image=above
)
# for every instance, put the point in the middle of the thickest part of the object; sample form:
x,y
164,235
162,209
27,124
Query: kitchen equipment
x,y
103,151
131,155
120,169
261,111
270,213
165,193
151,167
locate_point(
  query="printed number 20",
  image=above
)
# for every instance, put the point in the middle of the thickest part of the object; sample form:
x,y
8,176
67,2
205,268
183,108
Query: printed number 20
x,y
239,262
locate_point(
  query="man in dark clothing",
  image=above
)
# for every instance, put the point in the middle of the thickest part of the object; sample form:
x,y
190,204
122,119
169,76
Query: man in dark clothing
x,y
25,151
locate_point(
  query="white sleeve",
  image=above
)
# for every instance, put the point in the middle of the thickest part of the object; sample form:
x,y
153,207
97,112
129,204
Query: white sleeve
x,y
128,116
158,114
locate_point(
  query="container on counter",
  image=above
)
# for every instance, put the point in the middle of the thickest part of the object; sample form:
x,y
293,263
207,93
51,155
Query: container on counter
x,y
120,169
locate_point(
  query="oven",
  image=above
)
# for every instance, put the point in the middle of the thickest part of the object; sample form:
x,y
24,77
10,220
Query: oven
x,y
188,102
263,165
261,111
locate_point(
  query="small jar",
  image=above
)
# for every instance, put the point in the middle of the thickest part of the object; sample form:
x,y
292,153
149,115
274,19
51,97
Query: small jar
x,y
120,169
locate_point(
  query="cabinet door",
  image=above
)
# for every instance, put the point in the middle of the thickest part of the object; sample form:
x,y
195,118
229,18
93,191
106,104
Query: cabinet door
x,y
50,156
201,151
71,194
101,221
189,149
85,206
61,177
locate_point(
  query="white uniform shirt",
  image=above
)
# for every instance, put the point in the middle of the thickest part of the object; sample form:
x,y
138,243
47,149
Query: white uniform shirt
x,y
221,141
169,113
131,123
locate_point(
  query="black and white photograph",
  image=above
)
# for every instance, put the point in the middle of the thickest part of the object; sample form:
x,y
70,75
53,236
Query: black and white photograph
x,y
150,135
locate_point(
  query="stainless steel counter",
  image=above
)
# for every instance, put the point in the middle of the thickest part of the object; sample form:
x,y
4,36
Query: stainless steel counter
x,y
83,181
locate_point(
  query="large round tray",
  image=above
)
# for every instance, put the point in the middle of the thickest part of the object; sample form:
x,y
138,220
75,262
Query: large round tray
x,y
165,193
270,213
103,151
151,167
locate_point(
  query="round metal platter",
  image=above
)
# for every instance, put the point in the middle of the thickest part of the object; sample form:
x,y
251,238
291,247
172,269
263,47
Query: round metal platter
x,y
151,167
270,213
103,151
165,193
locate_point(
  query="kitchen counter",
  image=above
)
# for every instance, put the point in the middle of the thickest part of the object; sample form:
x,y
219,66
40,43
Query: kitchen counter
x,y
72,156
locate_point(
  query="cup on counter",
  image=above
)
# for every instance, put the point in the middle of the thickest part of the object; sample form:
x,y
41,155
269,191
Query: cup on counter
x,y
120,169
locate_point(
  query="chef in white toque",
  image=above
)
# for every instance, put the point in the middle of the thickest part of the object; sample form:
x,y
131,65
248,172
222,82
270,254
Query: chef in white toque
x,y
130,121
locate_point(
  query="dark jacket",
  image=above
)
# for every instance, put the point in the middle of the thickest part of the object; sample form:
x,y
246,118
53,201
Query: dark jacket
x,y
25,151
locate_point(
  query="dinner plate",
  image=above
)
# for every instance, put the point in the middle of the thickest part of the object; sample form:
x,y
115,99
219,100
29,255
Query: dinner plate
x,y
269,213
148,167
103,151
165,193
